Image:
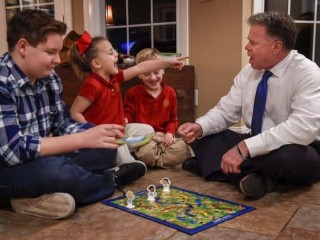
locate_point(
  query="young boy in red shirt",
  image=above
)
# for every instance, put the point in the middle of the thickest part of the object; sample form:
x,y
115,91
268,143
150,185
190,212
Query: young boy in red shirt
x,y
155,103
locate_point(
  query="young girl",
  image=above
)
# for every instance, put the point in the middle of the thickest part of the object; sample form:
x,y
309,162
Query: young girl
x,y
155,103
99,100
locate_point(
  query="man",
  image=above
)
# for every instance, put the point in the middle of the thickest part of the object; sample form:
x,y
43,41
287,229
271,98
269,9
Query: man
x,y
40,172
282,145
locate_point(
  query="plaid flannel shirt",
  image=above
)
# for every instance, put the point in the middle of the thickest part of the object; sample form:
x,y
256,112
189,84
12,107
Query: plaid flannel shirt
x,y
29,112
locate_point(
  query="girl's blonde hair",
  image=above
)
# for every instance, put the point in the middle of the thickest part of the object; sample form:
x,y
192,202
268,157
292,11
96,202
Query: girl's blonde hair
x,y
148,54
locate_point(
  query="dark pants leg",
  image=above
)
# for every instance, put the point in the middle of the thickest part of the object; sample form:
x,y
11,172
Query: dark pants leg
x,y
291,164
210,149
80,175
294,164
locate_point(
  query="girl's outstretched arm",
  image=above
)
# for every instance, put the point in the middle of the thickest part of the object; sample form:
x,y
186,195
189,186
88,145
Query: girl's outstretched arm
x,y
153,65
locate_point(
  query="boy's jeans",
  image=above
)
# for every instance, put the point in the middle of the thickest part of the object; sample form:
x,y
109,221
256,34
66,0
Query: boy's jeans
x,y
82,175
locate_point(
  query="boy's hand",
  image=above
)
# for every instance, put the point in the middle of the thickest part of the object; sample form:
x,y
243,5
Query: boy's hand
x,y
103,136
168,139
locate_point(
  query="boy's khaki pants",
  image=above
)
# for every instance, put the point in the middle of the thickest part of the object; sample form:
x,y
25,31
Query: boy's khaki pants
x,y
132,129
155,154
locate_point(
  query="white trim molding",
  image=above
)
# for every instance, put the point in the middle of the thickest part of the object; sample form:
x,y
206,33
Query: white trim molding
x,y
183,27
258,6
94,21
63,12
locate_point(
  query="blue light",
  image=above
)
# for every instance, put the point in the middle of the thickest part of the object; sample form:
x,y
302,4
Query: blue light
x,y
126,46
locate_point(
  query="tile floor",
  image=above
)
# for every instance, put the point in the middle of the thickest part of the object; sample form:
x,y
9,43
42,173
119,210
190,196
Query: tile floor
x,y
288,213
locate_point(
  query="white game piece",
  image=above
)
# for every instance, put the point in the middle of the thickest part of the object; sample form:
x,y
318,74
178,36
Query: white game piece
x,y
151,193
166,184
130,196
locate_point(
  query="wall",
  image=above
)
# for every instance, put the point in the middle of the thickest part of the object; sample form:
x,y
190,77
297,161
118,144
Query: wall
x,y
217,38
77,16
3,30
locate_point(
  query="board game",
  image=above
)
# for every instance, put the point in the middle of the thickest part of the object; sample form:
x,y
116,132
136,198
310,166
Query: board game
x,y
184,210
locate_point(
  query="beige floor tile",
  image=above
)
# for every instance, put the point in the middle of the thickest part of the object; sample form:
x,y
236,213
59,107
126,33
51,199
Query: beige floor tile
x,y
307,218
298,234
17,226
289,213
222,233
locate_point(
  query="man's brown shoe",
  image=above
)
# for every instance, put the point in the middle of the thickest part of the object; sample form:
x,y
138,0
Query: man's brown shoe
x,y
192,165
256,186
52,206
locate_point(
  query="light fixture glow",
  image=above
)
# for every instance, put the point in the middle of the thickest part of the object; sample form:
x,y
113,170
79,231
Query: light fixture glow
x,y
109,15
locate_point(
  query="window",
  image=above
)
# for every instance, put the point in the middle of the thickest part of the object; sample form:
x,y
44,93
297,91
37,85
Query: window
x,y
60,9
14,6
132,25
306,15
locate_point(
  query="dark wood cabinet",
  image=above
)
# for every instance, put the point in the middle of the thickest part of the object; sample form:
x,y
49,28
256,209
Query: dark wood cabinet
x,y
71,83
183,81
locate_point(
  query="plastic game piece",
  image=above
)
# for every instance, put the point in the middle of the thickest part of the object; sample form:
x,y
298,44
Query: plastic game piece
x,y
130,197
152,193
136,140
165,184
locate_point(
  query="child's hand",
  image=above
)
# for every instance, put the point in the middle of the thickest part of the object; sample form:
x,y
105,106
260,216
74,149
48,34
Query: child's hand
x,y
177,63
102,136
168,139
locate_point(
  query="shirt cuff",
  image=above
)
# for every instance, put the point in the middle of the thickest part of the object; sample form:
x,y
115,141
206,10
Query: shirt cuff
x,y
206,129
255,146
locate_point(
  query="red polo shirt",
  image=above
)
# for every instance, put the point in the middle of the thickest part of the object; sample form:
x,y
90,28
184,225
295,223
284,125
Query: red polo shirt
x,y
160,112
105,96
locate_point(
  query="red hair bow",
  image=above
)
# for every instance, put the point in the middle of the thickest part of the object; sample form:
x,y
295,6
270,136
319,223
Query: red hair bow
x,y
84,42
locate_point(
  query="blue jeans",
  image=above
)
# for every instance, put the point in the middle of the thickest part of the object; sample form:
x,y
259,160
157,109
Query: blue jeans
x,y
83,175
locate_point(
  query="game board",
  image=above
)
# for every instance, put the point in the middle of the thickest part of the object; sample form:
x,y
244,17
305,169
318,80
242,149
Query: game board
x,y
184,210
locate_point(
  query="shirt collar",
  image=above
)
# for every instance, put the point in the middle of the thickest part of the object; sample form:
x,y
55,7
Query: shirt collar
x,y
103,80
279,69
144,91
